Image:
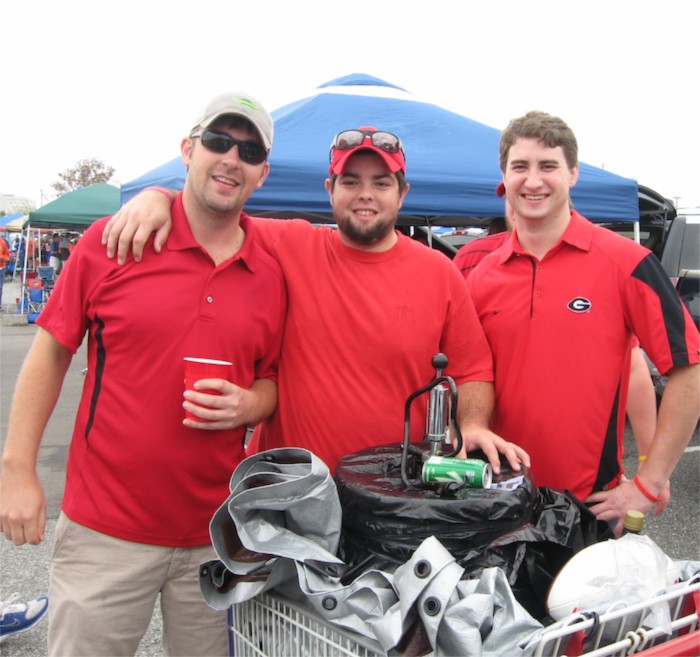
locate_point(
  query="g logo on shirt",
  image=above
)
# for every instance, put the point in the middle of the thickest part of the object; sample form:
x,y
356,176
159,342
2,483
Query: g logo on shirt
x,y
579,305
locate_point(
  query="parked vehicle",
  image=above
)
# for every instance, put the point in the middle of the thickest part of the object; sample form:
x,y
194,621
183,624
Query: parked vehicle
x,y
681,261
682,247
688,286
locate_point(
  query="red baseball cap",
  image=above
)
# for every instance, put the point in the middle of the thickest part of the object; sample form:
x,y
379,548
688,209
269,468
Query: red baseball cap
x,y
386,144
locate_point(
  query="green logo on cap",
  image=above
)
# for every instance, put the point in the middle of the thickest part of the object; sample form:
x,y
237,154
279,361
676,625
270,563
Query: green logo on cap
x,y
246,102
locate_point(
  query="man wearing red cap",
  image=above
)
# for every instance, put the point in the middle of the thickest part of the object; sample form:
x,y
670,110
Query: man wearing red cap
x,y
368,309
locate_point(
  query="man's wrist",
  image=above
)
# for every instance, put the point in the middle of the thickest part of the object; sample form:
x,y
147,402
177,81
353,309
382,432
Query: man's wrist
x,y
644,490
168,193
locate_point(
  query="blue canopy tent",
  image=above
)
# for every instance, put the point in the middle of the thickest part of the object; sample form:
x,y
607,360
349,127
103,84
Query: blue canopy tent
x,y
9,218
452,161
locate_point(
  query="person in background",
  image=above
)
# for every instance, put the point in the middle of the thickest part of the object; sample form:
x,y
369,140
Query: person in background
x,y
560,303
368,310
64,249
55,253
142,482
18,617
45,250
4,259
31,253
472,253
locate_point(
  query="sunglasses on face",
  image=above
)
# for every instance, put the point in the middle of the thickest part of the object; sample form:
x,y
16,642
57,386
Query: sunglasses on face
x,y
384,141
219,142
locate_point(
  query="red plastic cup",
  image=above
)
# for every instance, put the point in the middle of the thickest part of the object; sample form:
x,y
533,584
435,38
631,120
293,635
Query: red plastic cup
x,y
204,368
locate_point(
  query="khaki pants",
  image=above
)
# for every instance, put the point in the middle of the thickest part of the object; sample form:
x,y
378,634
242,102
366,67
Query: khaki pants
x,y
102,592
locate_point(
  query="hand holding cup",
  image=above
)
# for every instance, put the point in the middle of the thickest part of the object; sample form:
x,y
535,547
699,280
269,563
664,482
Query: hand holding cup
x,y
197,369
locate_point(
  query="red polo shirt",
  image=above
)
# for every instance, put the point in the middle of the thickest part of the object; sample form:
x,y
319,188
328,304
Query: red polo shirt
x,y
560,331
134,471
472,253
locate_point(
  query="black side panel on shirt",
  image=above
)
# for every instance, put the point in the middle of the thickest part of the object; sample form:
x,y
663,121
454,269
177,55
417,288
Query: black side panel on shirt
x,y
607,467
101,355
650,272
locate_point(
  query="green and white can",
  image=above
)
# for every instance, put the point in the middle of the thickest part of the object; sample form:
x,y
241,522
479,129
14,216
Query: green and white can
x,y
443,469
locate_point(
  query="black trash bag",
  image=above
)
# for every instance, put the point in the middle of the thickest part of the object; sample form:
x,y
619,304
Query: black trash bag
x,y
528,532
384,522
533,554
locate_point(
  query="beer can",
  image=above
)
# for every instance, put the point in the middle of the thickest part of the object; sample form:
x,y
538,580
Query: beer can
x,y
443,469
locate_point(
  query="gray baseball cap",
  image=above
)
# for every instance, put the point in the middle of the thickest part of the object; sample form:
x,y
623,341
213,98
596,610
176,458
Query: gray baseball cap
x,y
237,104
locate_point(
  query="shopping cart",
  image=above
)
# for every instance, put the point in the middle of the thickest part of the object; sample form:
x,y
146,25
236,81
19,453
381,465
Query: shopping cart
x,y
272,626
620,630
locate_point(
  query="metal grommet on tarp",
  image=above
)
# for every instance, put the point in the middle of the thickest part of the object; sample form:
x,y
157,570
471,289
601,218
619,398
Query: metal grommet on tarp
x,y
432,606
422,569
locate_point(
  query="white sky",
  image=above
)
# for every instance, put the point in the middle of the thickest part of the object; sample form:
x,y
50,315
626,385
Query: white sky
x,y
123,81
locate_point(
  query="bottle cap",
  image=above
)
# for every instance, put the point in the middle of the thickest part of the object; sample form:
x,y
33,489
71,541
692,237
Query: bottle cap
x,y
634,521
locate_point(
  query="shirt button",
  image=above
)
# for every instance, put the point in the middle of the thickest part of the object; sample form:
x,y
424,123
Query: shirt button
x,y
210,299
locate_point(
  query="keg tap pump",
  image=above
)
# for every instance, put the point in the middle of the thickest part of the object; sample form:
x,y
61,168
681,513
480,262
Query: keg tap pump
x,y
442,407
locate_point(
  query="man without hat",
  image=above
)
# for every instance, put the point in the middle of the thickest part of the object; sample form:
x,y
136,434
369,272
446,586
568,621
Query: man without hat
x,y
142,483
561,302
368,309
641,399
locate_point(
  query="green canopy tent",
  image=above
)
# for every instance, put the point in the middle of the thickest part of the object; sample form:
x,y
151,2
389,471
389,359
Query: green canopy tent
x,y
74,211
77,210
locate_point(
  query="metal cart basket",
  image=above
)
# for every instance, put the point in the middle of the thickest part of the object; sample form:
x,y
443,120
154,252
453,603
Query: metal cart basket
x,y
272,626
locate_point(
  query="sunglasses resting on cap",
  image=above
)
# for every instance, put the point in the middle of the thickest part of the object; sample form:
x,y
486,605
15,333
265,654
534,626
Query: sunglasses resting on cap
x,y
386,144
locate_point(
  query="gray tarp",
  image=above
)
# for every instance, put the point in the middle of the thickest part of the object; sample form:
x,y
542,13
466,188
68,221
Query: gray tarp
x,y
280,528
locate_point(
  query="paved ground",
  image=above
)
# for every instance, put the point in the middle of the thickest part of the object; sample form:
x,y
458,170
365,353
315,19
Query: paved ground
x,y
25,569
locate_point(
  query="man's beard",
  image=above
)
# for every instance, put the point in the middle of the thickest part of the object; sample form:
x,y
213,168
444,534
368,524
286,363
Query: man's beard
x,y
365,234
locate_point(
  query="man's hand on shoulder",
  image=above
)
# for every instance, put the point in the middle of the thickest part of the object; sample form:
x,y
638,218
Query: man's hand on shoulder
x,y
130,228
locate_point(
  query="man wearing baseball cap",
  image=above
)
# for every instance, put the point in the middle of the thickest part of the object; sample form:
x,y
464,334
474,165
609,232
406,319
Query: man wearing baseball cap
x,y
142,481
368,309
240,105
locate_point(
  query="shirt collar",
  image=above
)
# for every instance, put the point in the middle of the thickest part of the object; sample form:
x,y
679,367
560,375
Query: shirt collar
x,y
181,237
579,234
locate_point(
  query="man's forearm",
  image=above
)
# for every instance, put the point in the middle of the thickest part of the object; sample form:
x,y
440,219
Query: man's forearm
x,y
641,403
677,419
265,400
475,404
36,393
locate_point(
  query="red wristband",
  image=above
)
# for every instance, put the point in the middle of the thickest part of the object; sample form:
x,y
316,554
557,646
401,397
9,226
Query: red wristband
x,y
643,490
162,190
